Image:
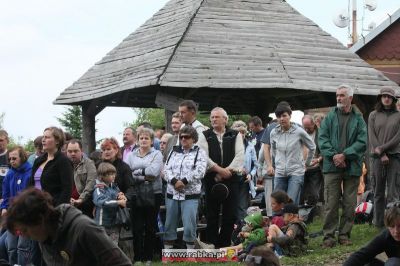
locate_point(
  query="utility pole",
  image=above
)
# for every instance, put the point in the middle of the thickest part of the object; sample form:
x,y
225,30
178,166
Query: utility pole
x,y
354,36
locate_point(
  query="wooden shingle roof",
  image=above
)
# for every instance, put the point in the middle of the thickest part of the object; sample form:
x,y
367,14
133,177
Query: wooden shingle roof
x,y
224,44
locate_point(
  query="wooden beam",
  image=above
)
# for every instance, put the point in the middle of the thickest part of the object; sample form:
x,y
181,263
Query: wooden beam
x,y
190,93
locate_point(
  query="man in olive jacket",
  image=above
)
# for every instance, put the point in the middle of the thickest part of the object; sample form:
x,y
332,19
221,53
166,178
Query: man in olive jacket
x,y
342,142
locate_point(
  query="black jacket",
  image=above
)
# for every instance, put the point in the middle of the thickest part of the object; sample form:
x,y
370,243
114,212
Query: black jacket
x,y
124,175
57,177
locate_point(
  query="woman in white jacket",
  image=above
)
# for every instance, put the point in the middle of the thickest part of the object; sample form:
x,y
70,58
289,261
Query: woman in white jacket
x,y
185,167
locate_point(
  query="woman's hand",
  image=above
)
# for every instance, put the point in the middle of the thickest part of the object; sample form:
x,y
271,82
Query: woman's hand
x,y
121,196
179,186
3,212
270,171
122,202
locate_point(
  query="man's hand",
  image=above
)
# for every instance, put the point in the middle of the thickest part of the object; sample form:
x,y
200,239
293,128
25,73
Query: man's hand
x,y
76,202
3,212
179,186
224,173
314,162
248,178
378,151
339,159
385,159
270,171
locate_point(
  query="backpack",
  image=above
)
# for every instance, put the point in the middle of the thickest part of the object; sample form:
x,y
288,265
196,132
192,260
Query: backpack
x,y
364,211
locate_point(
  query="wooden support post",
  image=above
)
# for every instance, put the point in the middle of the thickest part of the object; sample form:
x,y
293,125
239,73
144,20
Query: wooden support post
x,y
89,112
168,118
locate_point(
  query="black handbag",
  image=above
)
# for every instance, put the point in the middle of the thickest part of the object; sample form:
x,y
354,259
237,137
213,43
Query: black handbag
x,y
145,194
123,218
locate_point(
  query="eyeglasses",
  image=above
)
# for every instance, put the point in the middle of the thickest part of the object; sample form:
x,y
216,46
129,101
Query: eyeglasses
x,y
185,137
12,159
163,142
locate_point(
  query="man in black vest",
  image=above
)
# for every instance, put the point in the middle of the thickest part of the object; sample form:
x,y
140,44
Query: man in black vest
x,y
226,155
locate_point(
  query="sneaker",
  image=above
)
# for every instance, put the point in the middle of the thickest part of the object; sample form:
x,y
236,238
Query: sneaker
x,y
328,243
148,263
138,263
345,242
201,245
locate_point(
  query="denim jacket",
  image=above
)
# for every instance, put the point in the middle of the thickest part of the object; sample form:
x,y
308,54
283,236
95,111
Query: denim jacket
x,y
105,200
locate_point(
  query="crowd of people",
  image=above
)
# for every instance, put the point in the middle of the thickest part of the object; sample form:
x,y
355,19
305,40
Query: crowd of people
x,y
61,206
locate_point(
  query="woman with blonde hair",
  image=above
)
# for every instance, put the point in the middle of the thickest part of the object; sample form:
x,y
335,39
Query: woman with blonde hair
x,y
52,171
146,164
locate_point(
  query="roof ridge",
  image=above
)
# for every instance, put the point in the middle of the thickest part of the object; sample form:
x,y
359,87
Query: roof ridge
x,y
179,41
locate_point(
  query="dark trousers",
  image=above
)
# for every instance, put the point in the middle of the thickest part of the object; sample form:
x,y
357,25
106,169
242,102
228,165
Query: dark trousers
x,y
386,181
312,185
221,237
144,229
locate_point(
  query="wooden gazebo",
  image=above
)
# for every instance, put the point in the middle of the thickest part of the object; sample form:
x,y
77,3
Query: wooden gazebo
x,y
243,55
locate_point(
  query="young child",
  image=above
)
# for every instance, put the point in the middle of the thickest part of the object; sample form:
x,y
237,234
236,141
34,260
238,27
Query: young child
x,y
291,239
107,198
252,234
278,200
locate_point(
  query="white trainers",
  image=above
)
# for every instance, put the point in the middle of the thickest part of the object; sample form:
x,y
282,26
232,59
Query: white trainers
x,y
201,245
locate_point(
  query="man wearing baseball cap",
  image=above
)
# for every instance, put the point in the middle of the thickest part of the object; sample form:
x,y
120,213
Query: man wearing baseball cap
x,y
384,147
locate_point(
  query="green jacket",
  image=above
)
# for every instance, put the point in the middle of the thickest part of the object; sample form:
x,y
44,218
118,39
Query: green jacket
x,y
328,141
257,237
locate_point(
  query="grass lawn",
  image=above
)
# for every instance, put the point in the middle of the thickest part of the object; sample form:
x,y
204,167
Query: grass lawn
x,y
361,234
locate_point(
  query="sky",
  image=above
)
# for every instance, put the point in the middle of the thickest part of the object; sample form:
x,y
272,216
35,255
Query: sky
x,y
46,45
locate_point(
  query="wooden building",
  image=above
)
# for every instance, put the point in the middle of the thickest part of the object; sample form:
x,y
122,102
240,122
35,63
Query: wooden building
x,y
381,47
243,55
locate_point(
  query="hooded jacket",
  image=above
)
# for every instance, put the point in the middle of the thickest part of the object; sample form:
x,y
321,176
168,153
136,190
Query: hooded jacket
x,y
188,167
257,235
15,180
79,241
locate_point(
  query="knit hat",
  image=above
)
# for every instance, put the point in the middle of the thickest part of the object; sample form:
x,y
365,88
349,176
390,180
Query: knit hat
x,y
255,219
290,208
387,91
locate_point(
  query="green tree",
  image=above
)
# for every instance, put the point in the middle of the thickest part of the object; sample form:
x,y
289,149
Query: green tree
x,y
71,120
155,116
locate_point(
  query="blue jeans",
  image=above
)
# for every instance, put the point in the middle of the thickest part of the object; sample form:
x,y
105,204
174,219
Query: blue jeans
x,y
20,250
291,184
185,209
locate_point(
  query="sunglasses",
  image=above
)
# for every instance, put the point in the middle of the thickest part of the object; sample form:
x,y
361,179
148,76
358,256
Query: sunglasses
x,y
12,159
185,137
